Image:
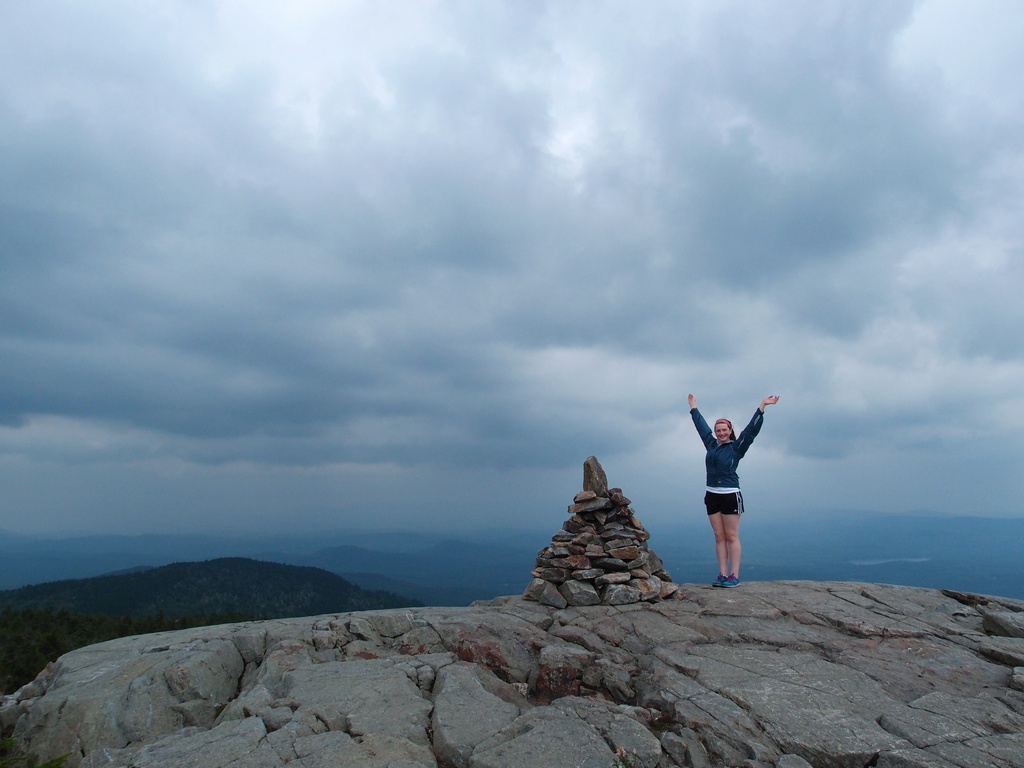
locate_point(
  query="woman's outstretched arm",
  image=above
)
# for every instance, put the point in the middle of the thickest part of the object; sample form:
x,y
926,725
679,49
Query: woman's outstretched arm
x,y
706,435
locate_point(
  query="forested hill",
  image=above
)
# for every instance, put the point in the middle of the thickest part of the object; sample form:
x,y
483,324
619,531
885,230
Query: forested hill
x,y
222,586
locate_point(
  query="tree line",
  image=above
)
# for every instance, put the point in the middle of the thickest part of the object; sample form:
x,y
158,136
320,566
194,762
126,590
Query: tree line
x,y
30,638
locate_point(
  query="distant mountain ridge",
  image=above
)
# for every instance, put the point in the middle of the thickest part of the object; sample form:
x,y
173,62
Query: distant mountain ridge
x,y
220,586
975,554
449,572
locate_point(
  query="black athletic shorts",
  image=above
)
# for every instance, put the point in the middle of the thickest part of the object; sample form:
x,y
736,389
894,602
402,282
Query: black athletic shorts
x,y
724,503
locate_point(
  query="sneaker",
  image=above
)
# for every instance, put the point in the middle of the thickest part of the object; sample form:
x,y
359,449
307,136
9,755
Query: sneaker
x,y
732,581
720,581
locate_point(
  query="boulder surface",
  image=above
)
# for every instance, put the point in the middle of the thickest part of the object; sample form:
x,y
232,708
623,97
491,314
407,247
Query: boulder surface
x,y
773,674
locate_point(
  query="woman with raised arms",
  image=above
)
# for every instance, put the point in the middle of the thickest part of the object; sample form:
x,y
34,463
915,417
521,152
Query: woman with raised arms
x,y
722,496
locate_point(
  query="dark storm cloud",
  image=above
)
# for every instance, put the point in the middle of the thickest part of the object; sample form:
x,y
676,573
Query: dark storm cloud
x,y
496,236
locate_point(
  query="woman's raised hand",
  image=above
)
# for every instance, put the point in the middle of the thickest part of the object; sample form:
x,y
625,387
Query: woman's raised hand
x,y
693,401
770,400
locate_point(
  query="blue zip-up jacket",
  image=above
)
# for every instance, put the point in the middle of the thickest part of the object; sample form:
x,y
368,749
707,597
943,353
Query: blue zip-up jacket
x,y
721,460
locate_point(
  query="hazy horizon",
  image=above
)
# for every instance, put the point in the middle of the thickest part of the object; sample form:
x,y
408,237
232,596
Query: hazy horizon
x,y
695,518
929,551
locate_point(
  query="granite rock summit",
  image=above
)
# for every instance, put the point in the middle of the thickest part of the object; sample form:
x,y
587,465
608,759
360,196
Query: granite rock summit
x,y
771,675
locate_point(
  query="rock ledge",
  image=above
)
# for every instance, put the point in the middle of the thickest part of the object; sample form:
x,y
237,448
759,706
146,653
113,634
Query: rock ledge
x,y
773,674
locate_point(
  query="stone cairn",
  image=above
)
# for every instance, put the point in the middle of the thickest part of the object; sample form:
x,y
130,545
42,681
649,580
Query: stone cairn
x,y
601,554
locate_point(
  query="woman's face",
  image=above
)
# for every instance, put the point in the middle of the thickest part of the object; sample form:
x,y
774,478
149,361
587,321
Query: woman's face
x,y
722,432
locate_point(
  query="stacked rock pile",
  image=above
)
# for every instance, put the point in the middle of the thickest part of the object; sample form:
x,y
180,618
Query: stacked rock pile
x,y
600,555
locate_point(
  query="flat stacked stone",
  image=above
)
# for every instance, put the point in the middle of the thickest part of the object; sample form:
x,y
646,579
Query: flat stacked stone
x,y
600,556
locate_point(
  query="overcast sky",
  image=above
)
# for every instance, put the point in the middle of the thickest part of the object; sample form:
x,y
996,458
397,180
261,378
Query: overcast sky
x,y
286,266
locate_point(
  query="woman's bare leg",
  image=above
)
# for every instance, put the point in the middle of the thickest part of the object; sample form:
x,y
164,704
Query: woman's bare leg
x,y
733,549
721,541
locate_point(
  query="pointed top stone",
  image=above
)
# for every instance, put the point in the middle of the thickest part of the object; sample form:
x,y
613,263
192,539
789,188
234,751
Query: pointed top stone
x,y
594,478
